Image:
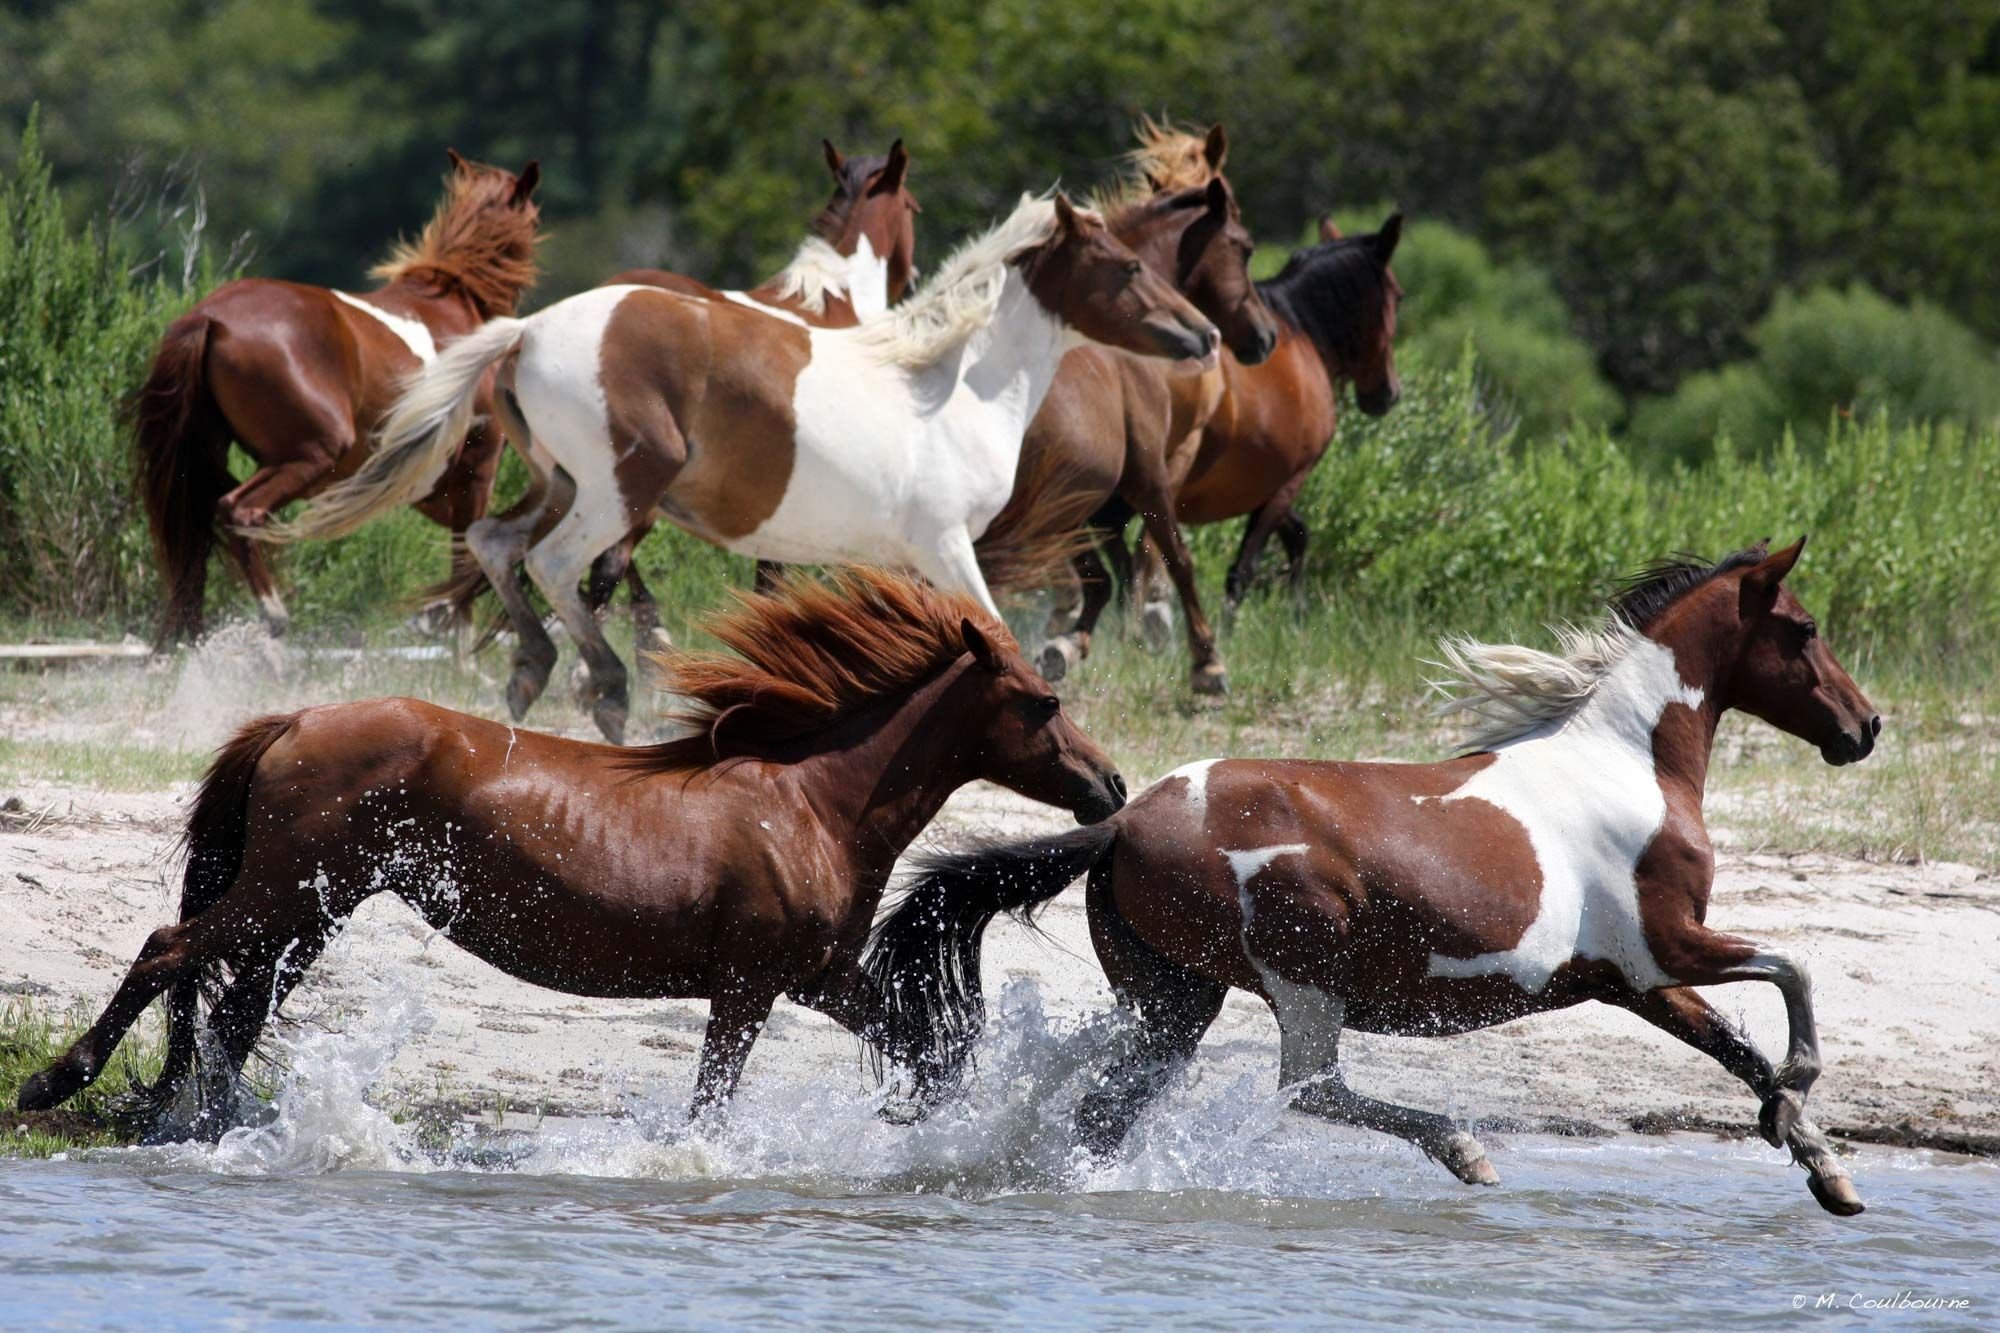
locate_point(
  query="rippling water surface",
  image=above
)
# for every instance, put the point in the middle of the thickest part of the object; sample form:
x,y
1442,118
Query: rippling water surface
x,y
806,1208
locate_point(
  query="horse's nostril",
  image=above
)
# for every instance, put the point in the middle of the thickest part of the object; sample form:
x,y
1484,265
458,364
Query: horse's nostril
x,y
1118,785
1875,725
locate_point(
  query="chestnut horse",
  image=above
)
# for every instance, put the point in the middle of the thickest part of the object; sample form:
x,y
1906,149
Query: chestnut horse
x,y
856,262
1118,429
1564,860
742,863
1336,304
891,443
300,377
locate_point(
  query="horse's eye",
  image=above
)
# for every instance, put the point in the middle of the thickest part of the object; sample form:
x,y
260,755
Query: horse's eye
x,y
1132,267
1050,705
1809,631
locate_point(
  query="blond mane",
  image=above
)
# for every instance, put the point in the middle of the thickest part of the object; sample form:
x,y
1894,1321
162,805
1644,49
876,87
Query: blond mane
x,y
1508,691
469,243
806,657
816,272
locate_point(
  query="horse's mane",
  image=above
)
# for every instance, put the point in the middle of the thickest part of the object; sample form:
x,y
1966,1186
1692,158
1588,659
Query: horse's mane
x,y
1168,160
1330,292
816,272
487,251
830,221
1509,690
806,657
964,294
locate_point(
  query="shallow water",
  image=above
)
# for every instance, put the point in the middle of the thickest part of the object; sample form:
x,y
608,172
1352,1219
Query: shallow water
x,y
804,1207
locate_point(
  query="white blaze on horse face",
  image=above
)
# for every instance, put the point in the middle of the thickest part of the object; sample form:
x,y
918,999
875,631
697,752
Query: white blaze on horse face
x,y
891,462
411,332
1585,791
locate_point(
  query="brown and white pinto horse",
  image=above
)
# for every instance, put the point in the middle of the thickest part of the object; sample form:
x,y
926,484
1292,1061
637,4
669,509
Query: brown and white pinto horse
x,y
1336,304
300,377
857,261
1119,430
1565,860
740,864
892,443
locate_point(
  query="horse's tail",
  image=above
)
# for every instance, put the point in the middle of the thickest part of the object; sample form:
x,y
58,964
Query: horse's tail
x,y
1032,541
415,443
923,958
180,444
217,827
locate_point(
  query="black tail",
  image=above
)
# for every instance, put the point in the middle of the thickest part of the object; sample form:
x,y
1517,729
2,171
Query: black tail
x,y
181,445
216,832
923,958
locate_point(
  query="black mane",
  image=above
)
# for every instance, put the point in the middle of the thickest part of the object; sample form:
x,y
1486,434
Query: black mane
x,y
1644,596
1332,293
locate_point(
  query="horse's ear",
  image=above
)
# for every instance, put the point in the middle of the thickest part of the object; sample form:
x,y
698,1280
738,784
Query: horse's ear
x,y
458,163
1387,238
1218,195
1327,230
525,183
890,178
1067,221
834,161
1216,147
1763,578
981,648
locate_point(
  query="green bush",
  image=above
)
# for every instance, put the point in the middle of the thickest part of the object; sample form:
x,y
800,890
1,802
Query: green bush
x,y
1830,354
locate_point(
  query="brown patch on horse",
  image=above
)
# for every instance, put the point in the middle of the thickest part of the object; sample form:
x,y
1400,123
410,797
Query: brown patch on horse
x,y
806,656
481,241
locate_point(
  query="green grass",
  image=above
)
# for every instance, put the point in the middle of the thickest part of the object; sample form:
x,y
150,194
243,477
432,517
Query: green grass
x,y
32,1034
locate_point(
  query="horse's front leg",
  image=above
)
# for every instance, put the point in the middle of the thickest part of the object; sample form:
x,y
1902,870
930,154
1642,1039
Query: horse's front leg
x,y
1697,956
736,1014
1684,1014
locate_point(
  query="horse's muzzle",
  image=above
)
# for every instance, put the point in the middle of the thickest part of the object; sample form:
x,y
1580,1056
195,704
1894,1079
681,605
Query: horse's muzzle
x,y
1853,746
1107,800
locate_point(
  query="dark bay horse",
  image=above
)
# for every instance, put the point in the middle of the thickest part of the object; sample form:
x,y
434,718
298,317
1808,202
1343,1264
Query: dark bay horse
x,y
740,864
891,443
300,377
1118,431
1564,860
1336,306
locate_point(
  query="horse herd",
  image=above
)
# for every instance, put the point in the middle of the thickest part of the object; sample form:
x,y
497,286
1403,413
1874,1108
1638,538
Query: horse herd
x,y
1562,858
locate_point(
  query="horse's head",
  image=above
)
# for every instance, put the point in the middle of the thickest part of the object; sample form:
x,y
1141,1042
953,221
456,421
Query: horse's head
x,y
1779,667
872,204
1026,743
1373,361
497,188
1101,290
1196,238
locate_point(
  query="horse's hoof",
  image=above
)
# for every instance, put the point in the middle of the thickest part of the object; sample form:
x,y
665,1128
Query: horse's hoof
x,y
48,1089
1780,1116
1058,656
609,714
1462,1155
1210,678
654,640
904,1111
1836,1194
1156,626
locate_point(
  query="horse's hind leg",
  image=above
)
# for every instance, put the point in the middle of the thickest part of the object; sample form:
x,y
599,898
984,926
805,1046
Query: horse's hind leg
x,y
1309,1025
498,544
1685,1014
1266,520
168,955
1171,1008
557,564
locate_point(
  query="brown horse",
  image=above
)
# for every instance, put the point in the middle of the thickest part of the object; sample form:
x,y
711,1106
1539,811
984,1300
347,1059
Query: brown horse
x,y
892,443
858,259
300,377
1564,860
1118,430
1336,304
739,864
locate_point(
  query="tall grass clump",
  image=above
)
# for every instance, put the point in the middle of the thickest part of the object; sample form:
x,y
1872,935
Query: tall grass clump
x,y
77,321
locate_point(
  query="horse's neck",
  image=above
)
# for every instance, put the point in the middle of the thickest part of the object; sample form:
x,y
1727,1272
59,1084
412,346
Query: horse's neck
x,y
883,775
1009,364
861,279
422,296
1630,722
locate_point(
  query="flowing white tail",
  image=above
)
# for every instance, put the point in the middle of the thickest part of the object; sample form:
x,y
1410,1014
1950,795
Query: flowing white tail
x,y
416,441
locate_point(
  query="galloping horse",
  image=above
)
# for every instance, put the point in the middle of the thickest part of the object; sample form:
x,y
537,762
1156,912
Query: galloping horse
x,y
857,261
1336,304
739,864
891,443
1564,860
300,377
1117,431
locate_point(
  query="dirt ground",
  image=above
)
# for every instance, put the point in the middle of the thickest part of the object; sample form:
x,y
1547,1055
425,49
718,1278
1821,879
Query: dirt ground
x,y
1902,957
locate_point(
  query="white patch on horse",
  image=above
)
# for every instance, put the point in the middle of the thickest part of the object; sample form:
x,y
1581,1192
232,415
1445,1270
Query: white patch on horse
x,y
1584,789
867,281
775,312
1196,776
412,332
1309,1019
